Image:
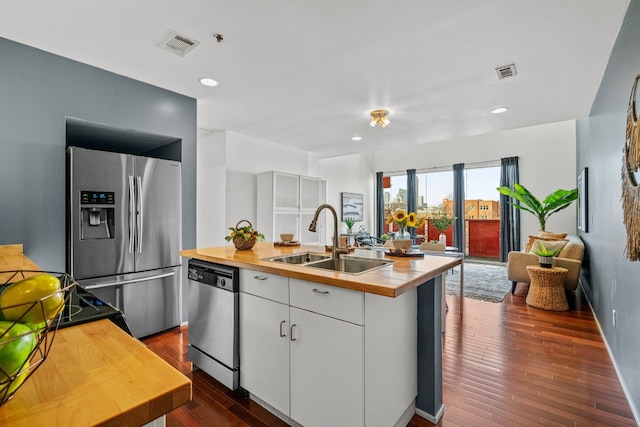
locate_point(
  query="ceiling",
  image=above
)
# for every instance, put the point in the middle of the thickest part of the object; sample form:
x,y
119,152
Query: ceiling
x,y
307,73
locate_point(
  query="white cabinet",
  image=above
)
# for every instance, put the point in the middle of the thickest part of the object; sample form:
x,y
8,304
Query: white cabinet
x,y
327,356
297,361
264,350
327,370
286,204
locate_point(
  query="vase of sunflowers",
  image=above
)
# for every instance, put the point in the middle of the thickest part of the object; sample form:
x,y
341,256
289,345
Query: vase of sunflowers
x,y
244,238
403,220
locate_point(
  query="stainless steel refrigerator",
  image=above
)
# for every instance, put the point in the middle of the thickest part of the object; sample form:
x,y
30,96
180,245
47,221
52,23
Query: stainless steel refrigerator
x,y
124,234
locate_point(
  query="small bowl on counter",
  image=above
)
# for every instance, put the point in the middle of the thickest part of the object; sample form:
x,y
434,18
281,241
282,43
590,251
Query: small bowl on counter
x,y
286,237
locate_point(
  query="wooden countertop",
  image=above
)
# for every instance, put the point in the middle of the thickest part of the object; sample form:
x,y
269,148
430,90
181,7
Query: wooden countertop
x,y
95,373
12,258
392,280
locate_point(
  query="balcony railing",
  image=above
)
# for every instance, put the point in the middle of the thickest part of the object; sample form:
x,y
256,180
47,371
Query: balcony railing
x,y
482,238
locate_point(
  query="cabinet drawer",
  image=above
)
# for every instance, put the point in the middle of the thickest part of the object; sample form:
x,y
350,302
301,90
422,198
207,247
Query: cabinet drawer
x,y
266,285
339,303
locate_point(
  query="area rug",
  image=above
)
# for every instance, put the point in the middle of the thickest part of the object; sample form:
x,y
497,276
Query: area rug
x,y
486,282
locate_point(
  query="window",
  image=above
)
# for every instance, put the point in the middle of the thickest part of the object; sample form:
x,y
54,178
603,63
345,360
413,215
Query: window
x,y
480,190
395,197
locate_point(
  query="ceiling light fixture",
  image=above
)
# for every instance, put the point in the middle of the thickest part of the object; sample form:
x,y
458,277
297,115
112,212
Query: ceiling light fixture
x,y
379,117
208,82
499,110
356,138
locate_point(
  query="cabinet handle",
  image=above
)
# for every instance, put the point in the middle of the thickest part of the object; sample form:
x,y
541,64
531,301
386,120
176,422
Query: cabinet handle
x,y
260,277
291,333
282,334
320,292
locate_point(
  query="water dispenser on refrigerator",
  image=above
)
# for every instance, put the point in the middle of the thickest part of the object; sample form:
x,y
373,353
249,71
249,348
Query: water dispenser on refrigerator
x,y
97,212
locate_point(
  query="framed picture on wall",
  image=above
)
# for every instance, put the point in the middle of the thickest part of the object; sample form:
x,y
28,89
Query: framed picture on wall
x,y
352,206
583,201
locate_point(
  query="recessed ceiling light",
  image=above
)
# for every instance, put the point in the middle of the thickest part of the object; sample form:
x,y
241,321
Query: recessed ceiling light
x,y
356,138
499,110
208,82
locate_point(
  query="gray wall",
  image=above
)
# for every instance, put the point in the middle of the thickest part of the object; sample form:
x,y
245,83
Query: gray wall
x,y
610,281
38,90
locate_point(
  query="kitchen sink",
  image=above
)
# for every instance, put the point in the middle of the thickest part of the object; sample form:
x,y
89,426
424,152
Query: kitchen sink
x,y
350,265
299,258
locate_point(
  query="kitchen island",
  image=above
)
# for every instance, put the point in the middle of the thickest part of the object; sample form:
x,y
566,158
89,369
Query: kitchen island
x,y
95,374
321,347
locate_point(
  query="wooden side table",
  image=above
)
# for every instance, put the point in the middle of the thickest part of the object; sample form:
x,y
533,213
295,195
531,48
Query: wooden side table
x,y
546,290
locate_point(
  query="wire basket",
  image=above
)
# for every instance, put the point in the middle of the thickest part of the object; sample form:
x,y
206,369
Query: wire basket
x,y
24,348
240,243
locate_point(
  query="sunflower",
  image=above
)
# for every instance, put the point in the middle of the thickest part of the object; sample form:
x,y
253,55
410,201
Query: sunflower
x,y
412,219
400,215
389,219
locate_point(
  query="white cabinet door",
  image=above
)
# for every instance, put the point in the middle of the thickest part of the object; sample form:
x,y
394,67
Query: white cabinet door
x,y
264,350
311,192
286,204
327,370
286,222
286,191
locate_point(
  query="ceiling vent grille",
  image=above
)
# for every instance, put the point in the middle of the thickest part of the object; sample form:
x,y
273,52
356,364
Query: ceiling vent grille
x,y
506,71
178,44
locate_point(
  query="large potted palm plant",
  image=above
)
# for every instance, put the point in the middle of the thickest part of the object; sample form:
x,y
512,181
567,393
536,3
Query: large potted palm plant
x,y
554,202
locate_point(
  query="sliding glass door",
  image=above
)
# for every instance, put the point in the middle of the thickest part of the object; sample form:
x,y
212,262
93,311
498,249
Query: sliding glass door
x,y
482,212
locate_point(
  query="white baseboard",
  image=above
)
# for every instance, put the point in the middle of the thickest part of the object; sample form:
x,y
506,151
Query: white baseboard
x,y
625,390
429,417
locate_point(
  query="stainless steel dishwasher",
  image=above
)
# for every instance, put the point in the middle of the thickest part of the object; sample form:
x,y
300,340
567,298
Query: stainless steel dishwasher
x,y
213,321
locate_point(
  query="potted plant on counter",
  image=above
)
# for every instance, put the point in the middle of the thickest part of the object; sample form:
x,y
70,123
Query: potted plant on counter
x,y
350,221
244,238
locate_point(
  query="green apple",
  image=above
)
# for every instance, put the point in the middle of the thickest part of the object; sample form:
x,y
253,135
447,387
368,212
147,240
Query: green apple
x,y
17,341
16,300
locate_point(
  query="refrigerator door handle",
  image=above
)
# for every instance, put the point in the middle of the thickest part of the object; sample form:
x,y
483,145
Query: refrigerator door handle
x,y
128,282
139,214
132,209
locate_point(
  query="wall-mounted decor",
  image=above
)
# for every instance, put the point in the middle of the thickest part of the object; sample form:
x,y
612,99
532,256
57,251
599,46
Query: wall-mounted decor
x,y
630,175
352,206
583,201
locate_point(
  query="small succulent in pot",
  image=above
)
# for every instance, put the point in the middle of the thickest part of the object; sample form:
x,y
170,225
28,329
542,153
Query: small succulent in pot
x,y
545,256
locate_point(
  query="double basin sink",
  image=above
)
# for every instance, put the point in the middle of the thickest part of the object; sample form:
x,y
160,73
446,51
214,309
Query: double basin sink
x,y
347,264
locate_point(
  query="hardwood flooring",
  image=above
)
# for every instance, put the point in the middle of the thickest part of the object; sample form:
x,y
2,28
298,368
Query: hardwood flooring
x,y
504,364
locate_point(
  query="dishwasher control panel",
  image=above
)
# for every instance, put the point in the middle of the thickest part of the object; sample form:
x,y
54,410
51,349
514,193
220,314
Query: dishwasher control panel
x,y
220,276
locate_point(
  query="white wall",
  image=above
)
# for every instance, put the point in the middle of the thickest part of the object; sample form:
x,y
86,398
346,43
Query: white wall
x,y
547,160
210,190
247,156
351,174
226,180
546,152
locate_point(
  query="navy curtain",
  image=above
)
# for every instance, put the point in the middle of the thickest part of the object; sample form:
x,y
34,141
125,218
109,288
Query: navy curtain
x,y
379,205
458,207
411,197
509,215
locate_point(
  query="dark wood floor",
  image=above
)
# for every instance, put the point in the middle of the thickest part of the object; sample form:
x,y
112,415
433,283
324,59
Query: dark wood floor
x,y
504,364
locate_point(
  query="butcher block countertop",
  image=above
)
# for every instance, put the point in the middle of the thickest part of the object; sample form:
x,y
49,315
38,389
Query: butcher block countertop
x,y
94,374
393,280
